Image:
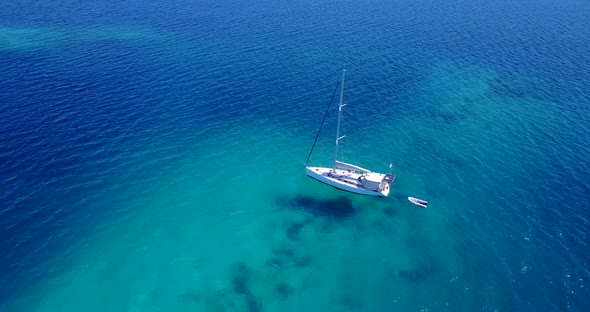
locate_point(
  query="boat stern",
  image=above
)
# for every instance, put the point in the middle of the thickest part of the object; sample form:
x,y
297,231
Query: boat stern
x,y
385,191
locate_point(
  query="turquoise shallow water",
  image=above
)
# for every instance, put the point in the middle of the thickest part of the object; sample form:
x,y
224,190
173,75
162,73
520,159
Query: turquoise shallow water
x,y
151,156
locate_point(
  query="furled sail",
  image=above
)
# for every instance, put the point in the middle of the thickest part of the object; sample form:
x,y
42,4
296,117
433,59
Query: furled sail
x,y
345,166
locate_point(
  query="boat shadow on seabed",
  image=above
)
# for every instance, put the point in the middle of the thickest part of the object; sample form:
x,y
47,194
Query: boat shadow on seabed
x,y
337,209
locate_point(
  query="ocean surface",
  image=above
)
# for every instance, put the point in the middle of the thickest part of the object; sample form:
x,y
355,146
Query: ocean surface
x,y
151,155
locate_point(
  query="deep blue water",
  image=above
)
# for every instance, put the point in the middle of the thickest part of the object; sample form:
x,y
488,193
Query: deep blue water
x,y
121,120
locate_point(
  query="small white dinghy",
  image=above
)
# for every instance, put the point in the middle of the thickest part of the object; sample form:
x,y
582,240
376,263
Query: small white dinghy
x,y
418,202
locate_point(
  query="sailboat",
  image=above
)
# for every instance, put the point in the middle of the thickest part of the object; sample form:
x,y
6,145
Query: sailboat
x,y
345,176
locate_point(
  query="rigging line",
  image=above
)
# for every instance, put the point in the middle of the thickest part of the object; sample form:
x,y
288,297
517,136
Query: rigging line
x,y
326,114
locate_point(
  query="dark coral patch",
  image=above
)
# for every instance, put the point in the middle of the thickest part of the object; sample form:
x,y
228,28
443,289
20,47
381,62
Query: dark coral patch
x,y
293,230
241,274
253,303
275,262
284,289
239,285
241,268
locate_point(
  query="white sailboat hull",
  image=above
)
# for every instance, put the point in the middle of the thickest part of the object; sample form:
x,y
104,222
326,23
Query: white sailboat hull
x,y
345,176
347,180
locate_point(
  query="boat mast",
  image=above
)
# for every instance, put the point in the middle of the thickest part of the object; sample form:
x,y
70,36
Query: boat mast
x,y
340,105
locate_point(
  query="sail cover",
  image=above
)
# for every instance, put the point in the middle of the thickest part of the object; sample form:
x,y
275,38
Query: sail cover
x,y
345,166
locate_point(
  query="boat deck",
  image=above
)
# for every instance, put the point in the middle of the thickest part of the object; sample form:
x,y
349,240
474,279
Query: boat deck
x,y
346,177
345,180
